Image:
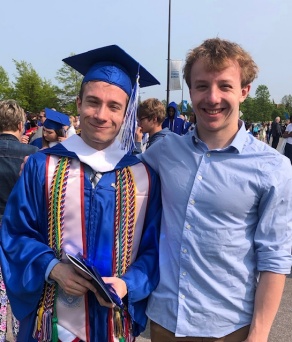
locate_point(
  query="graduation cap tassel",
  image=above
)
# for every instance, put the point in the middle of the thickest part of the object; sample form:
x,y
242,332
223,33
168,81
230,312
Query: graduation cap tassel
x,y
128,136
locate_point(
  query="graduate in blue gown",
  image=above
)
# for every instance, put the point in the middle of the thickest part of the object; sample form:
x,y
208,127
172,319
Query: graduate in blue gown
x,y
87,195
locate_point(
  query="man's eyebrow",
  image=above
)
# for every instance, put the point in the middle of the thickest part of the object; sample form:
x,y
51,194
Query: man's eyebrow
x,y
96,98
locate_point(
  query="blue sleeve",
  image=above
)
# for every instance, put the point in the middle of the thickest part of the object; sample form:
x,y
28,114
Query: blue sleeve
x,y
137,149
24,253
273,236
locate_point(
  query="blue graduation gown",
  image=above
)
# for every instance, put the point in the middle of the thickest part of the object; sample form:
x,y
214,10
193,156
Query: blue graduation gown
x,y
25,254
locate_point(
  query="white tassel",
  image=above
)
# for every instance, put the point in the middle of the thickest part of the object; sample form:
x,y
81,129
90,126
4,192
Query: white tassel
x,y
128,134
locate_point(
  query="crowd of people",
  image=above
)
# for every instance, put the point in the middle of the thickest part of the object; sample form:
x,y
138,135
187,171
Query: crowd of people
x,y
188,222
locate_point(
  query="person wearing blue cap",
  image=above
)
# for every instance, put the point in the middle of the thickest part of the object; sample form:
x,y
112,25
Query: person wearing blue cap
x,y
90,195
54,129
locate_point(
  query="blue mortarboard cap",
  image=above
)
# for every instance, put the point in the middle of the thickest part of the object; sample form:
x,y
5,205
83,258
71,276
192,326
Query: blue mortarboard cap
x,y
113,65
55,120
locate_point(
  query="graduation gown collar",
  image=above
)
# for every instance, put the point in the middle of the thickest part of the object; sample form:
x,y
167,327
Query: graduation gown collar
x,y
111,158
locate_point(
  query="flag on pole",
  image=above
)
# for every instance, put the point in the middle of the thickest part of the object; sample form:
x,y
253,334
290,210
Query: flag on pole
x,y
175,75
184,106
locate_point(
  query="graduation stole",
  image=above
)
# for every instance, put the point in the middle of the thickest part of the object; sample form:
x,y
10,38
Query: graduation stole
x,y
132,195
45,326
132,189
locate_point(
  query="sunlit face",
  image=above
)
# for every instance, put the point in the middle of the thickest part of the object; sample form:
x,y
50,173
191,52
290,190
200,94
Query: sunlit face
x,y
170,112
42,117
146,123
192,117
49,135
216,96
101,110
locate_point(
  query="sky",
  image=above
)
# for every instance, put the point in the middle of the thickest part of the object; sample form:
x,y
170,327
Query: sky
x,y
43,33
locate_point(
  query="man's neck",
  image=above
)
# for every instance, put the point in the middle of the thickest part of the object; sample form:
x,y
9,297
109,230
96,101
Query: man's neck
x,y
218,140
16,134
154,130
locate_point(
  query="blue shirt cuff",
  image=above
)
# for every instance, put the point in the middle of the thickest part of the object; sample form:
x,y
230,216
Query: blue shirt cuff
x,y
51,265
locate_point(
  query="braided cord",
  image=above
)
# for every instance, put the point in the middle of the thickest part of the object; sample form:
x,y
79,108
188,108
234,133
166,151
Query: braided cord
x,y
123,244
46,314
124,220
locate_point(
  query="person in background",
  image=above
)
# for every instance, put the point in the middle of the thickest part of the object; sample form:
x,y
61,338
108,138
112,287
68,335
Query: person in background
x,y
150,116
249,128
268,133
31,125
39,132
288,135
12,152
71,129
225,242
53,130
86,195
172,121
192,121
187,124
263,132
276,132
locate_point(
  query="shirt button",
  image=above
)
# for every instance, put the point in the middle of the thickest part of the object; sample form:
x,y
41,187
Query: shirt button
x,y
184,273
182,296
200,177
208,155
188,226
184,250
192,201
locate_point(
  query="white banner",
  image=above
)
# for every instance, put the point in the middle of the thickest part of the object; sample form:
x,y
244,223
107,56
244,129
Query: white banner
x,y
175,75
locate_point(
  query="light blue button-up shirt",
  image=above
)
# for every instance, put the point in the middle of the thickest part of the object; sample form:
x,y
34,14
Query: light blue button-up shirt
x,y
227,215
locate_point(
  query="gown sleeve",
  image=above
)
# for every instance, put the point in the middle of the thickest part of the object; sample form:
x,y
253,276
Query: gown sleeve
x,y
24,252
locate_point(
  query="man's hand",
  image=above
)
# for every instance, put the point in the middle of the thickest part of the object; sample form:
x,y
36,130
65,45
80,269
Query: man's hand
x,y
60,139
24,139
138,134
120,287
71,279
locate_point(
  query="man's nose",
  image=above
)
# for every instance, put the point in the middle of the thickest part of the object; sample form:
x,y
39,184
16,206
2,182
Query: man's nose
x,y
101,112
213,95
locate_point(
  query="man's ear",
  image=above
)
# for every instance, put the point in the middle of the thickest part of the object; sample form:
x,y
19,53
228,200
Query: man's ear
x,y
20,127
78,104
244,93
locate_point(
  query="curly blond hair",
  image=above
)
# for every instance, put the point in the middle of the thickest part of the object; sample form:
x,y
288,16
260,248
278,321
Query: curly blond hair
x,y
216,54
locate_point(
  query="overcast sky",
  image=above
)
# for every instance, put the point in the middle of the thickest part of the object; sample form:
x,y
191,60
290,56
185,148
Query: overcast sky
x,y
43,33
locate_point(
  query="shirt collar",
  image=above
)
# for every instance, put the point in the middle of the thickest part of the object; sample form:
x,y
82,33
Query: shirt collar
x,y
237,143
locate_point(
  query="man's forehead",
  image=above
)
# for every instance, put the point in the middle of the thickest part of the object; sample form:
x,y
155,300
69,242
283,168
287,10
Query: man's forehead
x,y
228,71
100,89
215,65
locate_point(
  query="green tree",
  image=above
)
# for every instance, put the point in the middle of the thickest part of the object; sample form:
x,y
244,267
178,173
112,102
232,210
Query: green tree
x,y
287,103
49,96
164,102
247,108
262,104
6,90
33,93
70,80
277,112
27,86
